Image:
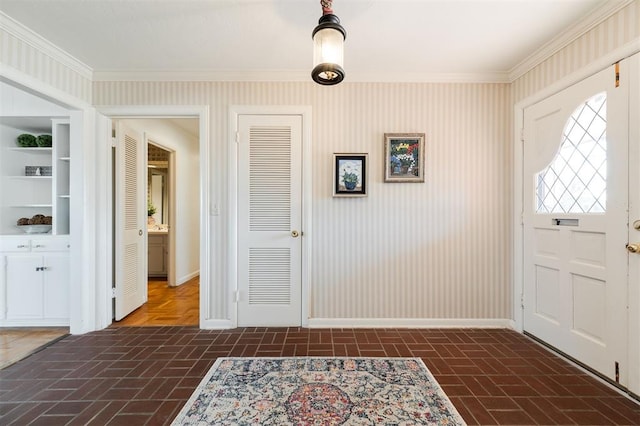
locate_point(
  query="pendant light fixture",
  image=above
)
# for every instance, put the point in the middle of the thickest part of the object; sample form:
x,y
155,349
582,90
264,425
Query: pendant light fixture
x,y
328,48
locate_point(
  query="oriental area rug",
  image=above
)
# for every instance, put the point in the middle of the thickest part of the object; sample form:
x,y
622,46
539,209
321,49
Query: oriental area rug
x,y
318,391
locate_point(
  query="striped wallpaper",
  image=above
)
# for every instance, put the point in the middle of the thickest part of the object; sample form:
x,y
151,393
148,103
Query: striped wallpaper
x,y
439,249
615,32
25,58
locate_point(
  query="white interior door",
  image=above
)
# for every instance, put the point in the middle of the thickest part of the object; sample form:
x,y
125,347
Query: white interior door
x,y
575,218
269,220
131,227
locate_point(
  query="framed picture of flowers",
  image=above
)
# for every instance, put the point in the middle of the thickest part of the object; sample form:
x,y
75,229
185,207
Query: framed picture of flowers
x,y
349,175
404,157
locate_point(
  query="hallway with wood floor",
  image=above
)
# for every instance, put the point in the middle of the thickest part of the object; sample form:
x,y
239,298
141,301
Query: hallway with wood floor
x,y
166,305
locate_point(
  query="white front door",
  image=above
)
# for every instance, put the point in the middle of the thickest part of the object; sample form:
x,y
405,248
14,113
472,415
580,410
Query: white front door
x,y
634,228
575,218
131,214
269,220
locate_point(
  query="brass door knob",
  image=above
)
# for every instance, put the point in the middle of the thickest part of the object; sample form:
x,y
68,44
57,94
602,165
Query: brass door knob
x,y
295,234
633,248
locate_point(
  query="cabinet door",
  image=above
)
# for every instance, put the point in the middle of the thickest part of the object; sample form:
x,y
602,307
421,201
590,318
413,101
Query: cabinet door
x,y
157,255
24,280
56,286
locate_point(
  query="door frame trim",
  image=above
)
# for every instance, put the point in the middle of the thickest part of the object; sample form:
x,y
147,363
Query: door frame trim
x,y
201,112
150,138
232,287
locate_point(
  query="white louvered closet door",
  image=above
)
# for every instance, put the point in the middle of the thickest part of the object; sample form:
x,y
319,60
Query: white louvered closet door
x,y
131,260
269,220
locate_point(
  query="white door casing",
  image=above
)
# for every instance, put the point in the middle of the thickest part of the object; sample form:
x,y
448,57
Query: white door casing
x,y
269,215
575,261
634,229
131,234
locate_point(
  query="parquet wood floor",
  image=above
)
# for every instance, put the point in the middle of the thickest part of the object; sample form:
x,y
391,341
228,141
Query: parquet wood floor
x,y
166,305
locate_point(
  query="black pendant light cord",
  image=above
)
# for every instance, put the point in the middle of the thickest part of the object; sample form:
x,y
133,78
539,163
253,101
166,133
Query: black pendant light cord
x,y
326,7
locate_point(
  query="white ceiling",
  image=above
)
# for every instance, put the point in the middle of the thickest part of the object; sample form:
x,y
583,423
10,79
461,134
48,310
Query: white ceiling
x,y
386,39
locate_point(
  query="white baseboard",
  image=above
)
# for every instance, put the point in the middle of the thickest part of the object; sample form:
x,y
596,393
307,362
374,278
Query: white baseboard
x,y
411,323
186,278
215,324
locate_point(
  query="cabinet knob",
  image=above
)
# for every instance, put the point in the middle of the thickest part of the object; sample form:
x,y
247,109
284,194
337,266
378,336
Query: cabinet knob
x,y
39,246
22,246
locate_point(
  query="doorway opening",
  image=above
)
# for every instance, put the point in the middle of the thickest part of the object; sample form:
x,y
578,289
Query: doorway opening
x,y
169,266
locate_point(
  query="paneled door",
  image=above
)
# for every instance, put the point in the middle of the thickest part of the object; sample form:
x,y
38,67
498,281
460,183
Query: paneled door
x,y
269,220
131,214
576,181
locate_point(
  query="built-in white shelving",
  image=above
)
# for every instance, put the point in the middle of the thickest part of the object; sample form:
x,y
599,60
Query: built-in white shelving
x,y
26,196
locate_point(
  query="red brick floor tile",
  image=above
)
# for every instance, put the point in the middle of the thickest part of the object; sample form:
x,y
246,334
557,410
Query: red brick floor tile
x,y
128,375
480,414
512,417
498,403
588,417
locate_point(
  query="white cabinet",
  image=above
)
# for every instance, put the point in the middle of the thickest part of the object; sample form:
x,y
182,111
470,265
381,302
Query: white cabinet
x,y
25,296
35,280
157,254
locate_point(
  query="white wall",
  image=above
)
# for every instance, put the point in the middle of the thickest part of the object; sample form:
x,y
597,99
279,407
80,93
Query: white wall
x,y
187,177
16,102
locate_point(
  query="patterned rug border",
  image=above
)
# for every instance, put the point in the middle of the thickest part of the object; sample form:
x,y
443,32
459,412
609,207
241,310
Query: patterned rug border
x,y
441,393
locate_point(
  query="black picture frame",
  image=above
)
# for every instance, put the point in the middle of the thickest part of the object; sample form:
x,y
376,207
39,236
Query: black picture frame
x,y
354,168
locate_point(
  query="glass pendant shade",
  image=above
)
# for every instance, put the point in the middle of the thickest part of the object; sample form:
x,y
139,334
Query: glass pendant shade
x,y
328,51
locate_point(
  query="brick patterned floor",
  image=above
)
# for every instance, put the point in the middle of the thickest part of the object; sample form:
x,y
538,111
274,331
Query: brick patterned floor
x,y
143,375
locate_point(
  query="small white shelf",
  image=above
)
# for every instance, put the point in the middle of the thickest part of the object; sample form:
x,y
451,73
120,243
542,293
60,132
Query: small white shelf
x,y
34,150
64,196
33,206
65,159
30,177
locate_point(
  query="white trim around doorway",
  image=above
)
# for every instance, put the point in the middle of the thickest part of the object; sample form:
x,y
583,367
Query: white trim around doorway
x,y
103,295
518,152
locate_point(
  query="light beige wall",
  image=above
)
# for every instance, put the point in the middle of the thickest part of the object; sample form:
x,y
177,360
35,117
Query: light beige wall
x,y
23,57
439,249
615,32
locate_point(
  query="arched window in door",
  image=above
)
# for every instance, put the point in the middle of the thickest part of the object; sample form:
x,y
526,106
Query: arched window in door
x,y
576,179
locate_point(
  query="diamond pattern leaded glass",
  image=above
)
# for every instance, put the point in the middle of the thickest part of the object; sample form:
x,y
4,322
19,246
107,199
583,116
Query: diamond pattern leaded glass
x,y
576,180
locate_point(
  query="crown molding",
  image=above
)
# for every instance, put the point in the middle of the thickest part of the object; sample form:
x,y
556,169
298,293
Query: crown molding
x,y
568,36
296,76
38,42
